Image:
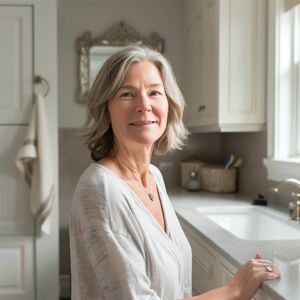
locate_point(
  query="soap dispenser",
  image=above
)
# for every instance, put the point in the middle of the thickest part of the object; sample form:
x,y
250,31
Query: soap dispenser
x,y
260,200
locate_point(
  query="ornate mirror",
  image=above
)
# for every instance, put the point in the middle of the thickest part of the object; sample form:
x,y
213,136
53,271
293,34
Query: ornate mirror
x,y
94,51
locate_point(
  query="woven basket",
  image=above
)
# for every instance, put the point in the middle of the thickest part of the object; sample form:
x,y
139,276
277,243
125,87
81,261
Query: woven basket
x,y
218,180
187,166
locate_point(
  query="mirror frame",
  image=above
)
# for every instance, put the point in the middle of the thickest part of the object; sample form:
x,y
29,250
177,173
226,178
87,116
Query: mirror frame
x,y
119,35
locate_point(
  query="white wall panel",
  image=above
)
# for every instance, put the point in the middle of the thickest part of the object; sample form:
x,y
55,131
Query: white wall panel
x,y
15,64
16,268
15,215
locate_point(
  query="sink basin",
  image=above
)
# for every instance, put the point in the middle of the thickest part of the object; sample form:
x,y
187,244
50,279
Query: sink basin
x,y
253,223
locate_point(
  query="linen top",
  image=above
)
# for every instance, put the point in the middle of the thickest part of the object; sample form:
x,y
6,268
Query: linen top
x,y
118,249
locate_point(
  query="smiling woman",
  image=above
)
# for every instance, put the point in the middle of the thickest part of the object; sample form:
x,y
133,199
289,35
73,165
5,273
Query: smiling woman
x,y
115,78
126,240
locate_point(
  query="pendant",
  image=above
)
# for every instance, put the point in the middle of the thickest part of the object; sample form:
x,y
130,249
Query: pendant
x,y
151,197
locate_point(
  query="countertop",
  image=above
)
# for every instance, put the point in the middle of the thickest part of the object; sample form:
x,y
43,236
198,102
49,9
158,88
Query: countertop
x,y
285,254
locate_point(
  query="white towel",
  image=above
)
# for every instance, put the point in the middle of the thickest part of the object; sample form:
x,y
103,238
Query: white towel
x,y
34,162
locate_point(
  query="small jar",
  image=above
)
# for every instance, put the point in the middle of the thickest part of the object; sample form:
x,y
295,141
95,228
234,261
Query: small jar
x,y
193,183
291,209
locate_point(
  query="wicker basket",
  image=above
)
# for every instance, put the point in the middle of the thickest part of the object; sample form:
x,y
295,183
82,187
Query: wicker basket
x,y
187,166
218,180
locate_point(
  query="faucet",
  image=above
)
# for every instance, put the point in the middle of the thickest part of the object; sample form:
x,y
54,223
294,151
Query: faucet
x,y
296,209
294,205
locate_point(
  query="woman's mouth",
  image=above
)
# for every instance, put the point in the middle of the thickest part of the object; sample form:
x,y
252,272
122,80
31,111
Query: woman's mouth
x,y
142,123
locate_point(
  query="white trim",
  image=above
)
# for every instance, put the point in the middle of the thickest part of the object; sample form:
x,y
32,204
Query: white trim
x,y
272,59
279,170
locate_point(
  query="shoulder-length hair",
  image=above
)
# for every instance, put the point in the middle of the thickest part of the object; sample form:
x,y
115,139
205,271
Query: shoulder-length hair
x,y
97,131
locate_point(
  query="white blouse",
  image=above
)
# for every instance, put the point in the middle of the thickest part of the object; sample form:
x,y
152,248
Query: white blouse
x,y
118,249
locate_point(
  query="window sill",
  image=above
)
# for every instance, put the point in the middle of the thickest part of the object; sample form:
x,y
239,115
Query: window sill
x,y
279,170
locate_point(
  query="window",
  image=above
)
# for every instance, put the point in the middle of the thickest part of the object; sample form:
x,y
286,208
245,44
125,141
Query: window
x,y
283,90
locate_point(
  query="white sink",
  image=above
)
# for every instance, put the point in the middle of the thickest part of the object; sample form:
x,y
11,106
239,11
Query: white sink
x,y
253,223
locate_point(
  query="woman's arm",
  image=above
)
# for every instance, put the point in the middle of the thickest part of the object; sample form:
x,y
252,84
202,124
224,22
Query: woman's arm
x,y
246,282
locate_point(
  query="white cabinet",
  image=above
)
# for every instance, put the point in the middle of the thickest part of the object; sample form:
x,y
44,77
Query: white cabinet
x,y
28,47
225,64
203,267
210,269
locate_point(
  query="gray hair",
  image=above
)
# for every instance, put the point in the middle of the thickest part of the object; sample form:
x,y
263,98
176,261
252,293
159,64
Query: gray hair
x,y
97,130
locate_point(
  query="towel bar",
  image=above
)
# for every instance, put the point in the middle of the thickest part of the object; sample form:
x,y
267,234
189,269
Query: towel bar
x,y
41,80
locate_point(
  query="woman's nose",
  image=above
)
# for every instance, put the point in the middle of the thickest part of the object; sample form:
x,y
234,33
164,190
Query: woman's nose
x,y
143,103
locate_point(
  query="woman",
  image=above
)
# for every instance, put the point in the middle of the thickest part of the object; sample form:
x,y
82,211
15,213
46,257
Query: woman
x,y
126,241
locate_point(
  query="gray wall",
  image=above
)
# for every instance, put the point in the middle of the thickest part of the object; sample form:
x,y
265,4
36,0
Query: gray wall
x,y
252,148
98,16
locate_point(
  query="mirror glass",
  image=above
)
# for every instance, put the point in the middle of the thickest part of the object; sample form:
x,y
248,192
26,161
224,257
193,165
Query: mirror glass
x,y
92,52
97,56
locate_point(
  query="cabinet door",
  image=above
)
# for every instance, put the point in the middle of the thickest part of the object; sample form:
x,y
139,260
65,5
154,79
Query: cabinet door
x,y
16,268
16,64
15,215
201,70
242,63
203,264
226,275
16,222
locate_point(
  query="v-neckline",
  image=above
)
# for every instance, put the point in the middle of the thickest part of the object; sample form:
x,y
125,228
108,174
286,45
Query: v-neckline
x,y
166,232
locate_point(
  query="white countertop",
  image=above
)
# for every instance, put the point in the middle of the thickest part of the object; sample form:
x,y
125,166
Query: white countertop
x,y
284,253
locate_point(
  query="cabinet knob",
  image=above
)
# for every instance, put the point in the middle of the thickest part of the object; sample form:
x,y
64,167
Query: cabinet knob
x,y
201,108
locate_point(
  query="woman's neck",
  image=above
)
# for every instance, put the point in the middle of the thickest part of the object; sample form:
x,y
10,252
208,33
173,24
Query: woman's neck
x,y
130,164
134,167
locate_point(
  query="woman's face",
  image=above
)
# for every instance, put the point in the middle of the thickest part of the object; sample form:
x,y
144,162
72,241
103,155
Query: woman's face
x,y
139,110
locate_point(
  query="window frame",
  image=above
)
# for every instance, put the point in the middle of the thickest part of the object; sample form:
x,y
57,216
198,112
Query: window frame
x,y
279,165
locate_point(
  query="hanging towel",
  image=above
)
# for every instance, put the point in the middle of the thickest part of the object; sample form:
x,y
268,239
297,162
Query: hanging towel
x,y
34,162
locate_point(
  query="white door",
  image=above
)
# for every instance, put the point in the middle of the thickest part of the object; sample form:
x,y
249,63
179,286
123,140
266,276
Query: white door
x,y
28,259
16,222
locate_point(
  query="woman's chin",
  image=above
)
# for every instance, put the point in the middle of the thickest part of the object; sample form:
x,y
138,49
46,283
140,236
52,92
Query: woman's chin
x,y
145,140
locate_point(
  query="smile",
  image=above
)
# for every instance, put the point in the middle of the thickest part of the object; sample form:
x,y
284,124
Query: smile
x,y
143,123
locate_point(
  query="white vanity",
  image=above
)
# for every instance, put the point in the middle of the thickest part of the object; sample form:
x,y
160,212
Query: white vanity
x,y
225,230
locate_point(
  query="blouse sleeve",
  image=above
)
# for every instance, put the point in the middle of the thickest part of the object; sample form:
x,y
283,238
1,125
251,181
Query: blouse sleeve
x,y
112,245
120,268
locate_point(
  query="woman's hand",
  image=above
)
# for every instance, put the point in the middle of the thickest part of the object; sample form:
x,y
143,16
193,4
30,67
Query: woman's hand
x,y
250,276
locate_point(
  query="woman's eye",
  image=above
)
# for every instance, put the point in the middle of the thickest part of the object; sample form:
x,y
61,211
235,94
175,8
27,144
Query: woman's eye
x,y
126,94
155,93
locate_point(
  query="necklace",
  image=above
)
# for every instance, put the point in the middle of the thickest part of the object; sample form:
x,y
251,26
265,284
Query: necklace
x,y
149,189
149,192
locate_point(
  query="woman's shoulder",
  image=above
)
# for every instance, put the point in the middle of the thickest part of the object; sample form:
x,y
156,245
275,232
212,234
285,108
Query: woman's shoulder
x,y
96,176
96,185
100,197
